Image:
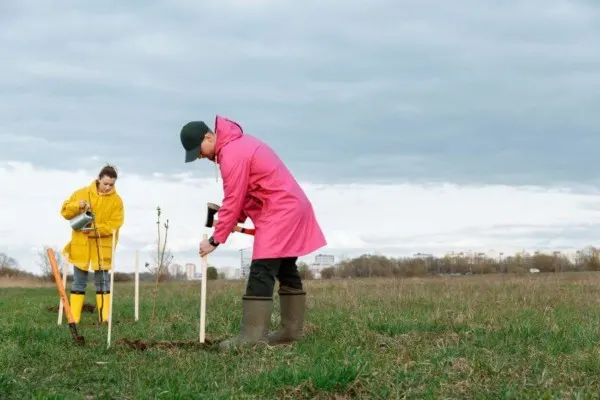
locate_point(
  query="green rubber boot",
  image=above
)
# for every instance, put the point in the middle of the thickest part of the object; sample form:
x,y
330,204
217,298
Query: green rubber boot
x,y
256,319
293,305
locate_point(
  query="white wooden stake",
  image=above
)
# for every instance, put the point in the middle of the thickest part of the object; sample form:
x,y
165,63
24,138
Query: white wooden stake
x,y
60,303
112,288
203,297
137,285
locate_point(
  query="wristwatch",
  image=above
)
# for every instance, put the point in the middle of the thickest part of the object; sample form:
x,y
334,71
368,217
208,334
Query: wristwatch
x,y
212,242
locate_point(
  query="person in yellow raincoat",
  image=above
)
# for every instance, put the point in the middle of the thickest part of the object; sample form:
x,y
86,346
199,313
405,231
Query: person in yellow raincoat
x,y
87,247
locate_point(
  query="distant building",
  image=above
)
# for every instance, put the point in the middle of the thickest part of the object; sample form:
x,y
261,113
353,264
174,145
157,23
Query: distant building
x,y
230,272
321,261
492,254
422,256
190,271
245,260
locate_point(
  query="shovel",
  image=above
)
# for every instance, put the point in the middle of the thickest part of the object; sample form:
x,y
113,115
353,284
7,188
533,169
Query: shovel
x,y
61,290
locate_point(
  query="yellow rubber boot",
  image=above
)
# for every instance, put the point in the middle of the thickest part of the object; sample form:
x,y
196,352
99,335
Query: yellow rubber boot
x,y
102,305
105,311
76,302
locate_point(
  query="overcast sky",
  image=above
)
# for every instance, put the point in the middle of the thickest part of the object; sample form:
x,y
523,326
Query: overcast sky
x,y
414,95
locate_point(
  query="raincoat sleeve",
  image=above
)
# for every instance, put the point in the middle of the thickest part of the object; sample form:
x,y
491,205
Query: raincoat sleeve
x,y
70,207
235,184
115,222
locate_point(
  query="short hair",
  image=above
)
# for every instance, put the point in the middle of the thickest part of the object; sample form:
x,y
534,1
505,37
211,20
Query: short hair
x,y
108,170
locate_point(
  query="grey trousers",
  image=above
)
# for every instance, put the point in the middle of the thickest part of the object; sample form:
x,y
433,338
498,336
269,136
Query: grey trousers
x,y
80,280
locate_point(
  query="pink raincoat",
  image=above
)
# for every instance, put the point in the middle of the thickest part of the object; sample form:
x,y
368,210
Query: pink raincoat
x,y
257,184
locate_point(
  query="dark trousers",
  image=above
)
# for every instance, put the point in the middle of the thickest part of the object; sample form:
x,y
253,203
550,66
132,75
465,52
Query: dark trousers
x,y
263,273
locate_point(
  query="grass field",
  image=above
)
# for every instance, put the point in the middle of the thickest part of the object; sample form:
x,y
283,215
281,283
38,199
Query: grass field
x,y
464,337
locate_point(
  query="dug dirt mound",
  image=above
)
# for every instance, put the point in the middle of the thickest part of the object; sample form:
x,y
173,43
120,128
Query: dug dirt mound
x,y
141,345
87,307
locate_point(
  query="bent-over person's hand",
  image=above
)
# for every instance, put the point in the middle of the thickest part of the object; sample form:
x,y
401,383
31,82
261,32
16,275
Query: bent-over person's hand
x,y
206,248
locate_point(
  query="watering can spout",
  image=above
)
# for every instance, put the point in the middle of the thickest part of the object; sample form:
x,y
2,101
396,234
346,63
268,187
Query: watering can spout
x,y
82,220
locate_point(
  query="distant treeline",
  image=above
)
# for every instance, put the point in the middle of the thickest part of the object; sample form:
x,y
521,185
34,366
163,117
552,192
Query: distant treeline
x,y
382,266
9,268
211,273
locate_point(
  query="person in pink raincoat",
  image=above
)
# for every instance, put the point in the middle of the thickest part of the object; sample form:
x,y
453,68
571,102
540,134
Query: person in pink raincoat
x,y
258,185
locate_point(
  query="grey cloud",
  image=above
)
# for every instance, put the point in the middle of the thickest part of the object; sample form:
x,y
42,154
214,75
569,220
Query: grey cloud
x,y
387,91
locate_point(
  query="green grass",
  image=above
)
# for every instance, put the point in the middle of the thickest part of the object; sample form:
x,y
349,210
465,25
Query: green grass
x,y
471,337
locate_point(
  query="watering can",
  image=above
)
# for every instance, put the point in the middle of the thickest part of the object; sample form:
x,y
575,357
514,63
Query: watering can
x,y
82,220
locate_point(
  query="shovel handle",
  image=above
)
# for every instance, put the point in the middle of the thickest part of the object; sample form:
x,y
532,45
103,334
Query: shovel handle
x,y
59,286
63,295
240,229
247,231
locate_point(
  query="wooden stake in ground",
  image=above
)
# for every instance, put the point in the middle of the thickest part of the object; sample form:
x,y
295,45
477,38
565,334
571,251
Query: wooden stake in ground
x,y
203,296
60,303
137,285
112,288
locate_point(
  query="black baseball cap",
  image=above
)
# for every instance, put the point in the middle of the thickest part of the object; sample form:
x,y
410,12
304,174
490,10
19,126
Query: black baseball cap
x,y
192,135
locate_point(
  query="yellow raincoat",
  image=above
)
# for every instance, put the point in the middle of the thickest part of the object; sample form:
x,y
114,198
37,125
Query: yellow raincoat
x,y
86,246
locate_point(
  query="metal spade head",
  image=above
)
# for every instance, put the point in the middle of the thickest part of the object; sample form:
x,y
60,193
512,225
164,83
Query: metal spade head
x,y
211,210
76,337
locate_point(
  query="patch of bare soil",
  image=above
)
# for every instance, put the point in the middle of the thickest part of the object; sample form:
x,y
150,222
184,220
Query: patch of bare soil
x,y
310,328
87,307
142,345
